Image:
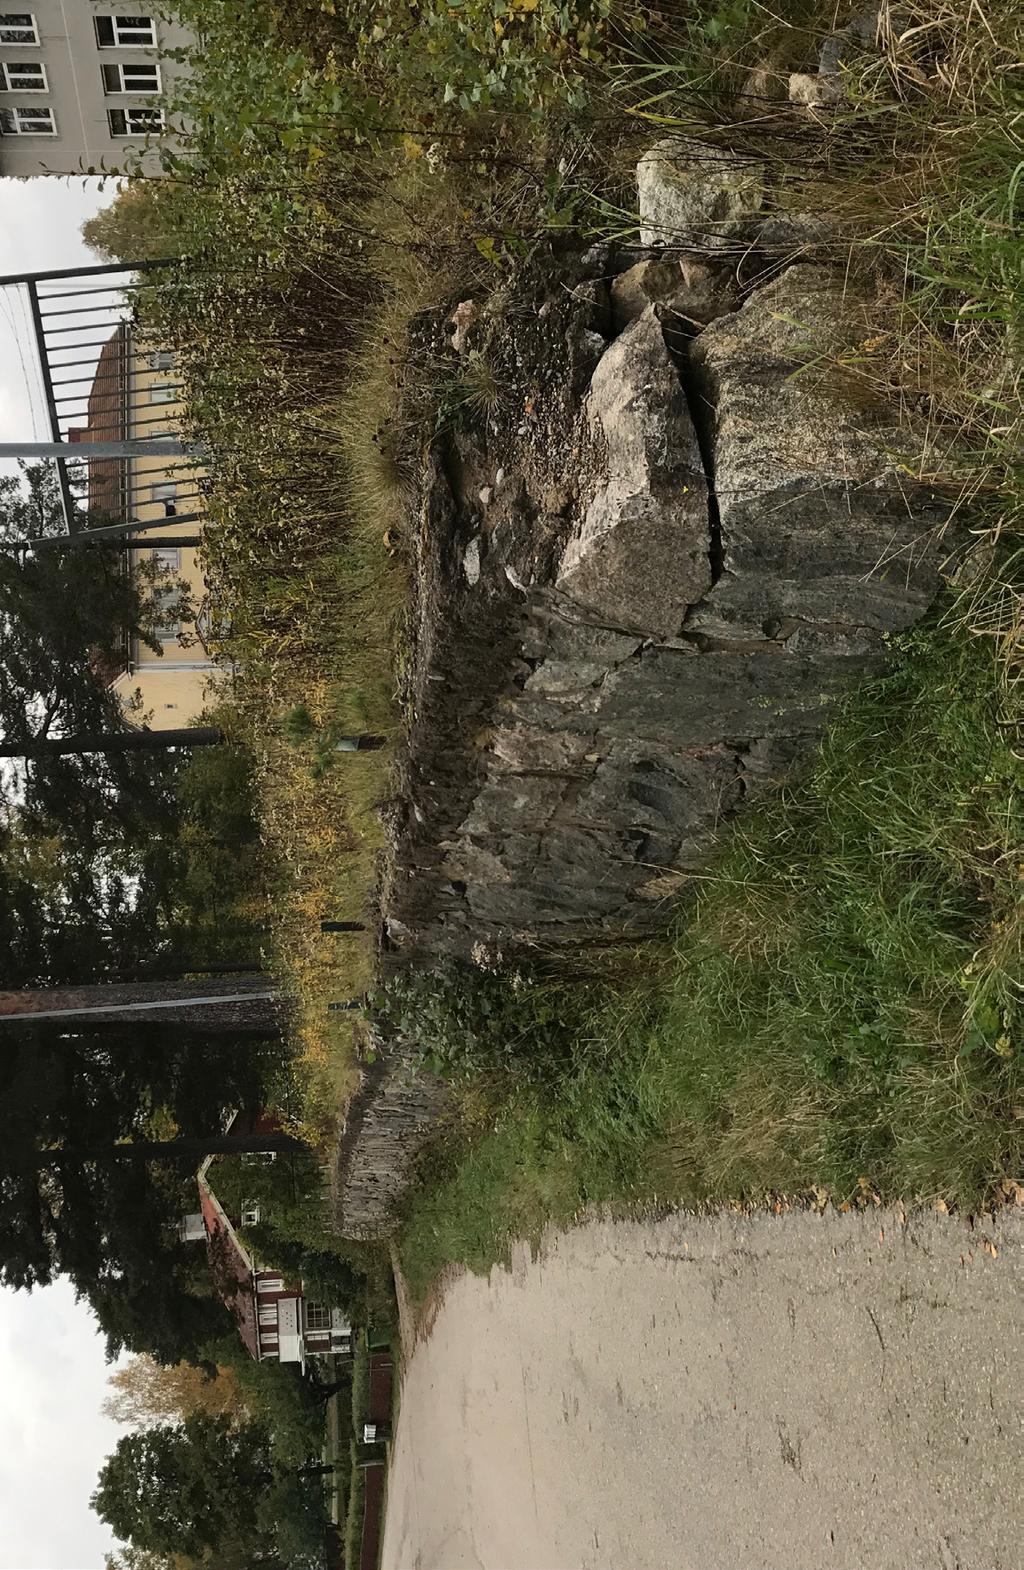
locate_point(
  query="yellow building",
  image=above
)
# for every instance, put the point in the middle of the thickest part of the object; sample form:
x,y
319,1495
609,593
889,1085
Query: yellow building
x,y
135,394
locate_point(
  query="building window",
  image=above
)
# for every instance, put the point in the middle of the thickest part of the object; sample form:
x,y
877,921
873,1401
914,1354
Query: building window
x,y
162,360
18,27
135,122
317,1317
163,392
166,596
167,492
27,122
250,1212
119,78
121,32
22,76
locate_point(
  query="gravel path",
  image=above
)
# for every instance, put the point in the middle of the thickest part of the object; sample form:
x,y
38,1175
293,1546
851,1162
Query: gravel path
x,y
794,1392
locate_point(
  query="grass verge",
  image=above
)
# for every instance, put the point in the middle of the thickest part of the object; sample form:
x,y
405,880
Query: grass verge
x,y
838,1009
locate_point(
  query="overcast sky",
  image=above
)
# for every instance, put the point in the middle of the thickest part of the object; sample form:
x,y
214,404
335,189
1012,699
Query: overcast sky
x,y
52,1370
52,1383
40,221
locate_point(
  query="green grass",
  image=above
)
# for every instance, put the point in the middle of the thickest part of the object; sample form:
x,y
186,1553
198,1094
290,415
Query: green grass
x,y
834,1005
360,1383
839,1008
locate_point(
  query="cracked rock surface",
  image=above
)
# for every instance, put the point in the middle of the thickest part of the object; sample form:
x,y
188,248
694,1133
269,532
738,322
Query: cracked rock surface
x,y
645,576
689,547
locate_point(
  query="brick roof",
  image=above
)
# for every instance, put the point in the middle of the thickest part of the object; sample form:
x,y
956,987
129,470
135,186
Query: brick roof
x,y
232,1268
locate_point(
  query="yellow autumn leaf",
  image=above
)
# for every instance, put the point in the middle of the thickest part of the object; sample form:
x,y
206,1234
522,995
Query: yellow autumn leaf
x,y
413,148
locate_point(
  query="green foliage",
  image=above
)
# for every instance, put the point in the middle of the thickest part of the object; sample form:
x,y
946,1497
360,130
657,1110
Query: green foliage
x,y
187,1488
282,1402
839,1008
468,1022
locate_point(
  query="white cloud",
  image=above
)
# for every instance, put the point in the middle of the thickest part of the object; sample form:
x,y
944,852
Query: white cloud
x,y
55,1438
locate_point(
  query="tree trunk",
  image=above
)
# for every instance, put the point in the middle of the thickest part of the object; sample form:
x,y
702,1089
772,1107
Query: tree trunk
x,y
112,741
246,1003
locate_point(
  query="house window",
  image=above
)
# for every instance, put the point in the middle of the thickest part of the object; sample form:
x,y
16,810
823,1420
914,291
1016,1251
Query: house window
x,y
134,122
18,27
27,122
167,492
166,596
163,392
120,32
317,1317
162,360
22,76
144,78
250,1212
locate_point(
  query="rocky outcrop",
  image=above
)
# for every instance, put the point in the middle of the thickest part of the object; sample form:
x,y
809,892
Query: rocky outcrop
x,y
653,504
637,653
645,580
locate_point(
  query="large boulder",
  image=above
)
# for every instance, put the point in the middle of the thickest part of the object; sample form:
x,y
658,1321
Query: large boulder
x,y
821,521
695,196
639,557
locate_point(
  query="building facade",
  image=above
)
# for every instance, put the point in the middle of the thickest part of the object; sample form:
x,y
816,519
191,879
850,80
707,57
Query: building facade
x,y
276,1320
82,87
135,394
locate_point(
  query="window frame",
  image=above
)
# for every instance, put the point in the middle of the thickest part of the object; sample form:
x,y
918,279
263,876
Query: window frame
x,y
166,632
20,43
155,115
316,1312
117,41
15,128
6,66
167,392
123,66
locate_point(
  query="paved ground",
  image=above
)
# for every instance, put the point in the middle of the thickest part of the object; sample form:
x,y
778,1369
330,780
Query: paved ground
x,y
767,1393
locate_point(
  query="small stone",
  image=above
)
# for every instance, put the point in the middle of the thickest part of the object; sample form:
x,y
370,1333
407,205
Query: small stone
x,y
471,561
814,92
462,320
634,290
858,37
499,479
486,495
696,195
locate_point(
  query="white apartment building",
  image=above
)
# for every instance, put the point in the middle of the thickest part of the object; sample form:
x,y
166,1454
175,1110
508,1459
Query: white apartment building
x,y
81,86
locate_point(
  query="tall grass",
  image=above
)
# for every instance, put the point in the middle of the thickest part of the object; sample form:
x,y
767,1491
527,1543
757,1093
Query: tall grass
x,y
840,1008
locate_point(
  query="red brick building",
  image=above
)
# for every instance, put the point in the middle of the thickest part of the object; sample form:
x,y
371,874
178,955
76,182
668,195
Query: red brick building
x,y
275,1318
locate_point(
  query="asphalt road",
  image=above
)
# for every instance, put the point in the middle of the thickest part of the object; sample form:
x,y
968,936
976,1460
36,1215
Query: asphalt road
x,y
794,1392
